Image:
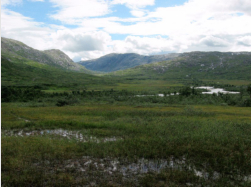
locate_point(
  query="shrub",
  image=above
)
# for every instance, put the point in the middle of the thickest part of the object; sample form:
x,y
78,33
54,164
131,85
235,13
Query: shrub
x,y
62,103
246,103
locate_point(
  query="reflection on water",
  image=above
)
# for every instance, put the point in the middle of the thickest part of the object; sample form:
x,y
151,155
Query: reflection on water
x,y
71,135
212,90
160,95
140,166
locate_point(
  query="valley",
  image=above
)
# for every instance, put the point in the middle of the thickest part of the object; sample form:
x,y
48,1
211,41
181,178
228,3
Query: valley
x,y
65,125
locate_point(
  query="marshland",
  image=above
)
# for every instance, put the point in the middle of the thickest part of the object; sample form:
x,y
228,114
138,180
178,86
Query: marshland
x,y
112,138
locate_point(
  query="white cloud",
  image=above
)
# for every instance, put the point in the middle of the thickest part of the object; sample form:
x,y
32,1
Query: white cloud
x,y
134,3
138,13
212,41
5,3
24,29
10,2
135,6
245,41
197,25
73,11
78,41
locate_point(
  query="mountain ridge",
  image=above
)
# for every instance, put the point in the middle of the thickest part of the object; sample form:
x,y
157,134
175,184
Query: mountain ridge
x,y
117,61
195,65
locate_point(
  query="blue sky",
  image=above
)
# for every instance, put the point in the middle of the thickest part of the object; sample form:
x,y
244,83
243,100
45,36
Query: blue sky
x,y
88,29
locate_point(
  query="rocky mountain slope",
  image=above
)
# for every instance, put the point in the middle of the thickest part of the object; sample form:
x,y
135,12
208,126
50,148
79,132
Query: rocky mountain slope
x,y
114,62
12,49
196,65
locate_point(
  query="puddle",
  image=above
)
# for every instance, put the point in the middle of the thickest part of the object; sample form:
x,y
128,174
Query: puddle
x,y
132,169
71,135
109,166
122,170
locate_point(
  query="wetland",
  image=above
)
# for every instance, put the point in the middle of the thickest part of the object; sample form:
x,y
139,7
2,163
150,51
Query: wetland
x,y
125,145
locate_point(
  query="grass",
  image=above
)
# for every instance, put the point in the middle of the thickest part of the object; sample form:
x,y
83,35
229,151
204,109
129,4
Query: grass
x,y
212,138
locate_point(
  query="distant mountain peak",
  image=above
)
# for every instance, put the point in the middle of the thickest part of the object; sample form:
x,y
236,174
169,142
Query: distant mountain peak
x,y
120,61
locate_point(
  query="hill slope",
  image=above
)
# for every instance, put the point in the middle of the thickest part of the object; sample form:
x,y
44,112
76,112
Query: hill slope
x,y
15,51
42,75
196,65
114,62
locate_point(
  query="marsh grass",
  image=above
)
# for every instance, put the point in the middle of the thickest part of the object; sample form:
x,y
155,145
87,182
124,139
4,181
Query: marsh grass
x,y
208,136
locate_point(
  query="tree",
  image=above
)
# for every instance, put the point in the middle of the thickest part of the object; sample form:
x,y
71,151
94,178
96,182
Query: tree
x,y
241,91
186,91
249,90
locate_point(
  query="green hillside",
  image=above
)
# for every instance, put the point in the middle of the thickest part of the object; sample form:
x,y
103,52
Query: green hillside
x,y
35,74
17,51
195,65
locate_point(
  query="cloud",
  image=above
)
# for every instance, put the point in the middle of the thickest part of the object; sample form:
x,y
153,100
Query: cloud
x,y
245,41
71,12
79,42
24,29
74,42
197,25
212,41
138,13
5,3
10,2
134,3
135,6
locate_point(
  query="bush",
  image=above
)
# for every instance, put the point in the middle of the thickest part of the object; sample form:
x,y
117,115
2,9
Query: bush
x,y
246,103
62,103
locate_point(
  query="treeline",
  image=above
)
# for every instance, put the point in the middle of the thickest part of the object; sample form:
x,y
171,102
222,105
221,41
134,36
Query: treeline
x,y
10,94
24,94
183,96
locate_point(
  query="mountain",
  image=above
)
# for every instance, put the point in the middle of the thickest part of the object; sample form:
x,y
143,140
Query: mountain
x,y
46,77
114,62
195,65
22,65
18,51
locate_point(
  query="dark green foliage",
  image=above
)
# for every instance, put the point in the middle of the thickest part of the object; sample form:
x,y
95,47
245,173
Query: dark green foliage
x,y
249,90
246,103
62,103
10,94
187,95
186,91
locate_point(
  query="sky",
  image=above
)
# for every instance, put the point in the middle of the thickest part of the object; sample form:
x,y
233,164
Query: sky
x,y
89,29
